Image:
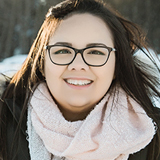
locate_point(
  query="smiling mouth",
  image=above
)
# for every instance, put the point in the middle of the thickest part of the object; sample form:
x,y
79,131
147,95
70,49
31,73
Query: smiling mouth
x,y
78,82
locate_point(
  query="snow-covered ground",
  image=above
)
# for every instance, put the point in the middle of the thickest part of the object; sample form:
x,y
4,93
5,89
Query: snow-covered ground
x,y
10,65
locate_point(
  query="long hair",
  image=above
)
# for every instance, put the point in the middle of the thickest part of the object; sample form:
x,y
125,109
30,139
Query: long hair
x,y
131,73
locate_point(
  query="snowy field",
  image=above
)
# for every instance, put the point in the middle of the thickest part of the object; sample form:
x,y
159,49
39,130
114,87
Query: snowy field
x,y
10,65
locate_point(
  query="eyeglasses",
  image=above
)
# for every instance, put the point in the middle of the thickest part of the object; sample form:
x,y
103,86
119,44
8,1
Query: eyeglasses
x,y
93,55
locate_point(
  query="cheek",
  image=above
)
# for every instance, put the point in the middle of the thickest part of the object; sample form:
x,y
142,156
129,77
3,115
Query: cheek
x,y
105,77
51,70
49,73
105,74
47,67
52,74
109,68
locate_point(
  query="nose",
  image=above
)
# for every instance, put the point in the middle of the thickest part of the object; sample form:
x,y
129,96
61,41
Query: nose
x,y
78,64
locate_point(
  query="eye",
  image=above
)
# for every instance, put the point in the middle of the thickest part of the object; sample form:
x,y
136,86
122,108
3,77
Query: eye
x,y
63,51
96,52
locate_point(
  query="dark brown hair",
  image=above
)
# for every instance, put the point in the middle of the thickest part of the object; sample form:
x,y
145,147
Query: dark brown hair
x,y
131,73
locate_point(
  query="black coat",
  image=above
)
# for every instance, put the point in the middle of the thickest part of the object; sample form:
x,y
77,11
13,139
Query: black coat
x,y
23,151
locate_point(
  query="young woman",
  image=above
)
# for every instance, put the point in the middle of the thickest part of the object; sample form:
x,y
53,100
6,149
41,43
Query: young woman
x,y
81,94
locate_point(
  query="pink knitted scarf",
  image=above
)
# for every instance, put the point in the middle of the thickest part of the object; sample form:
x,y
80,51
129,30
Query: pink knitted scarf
x,y
115,128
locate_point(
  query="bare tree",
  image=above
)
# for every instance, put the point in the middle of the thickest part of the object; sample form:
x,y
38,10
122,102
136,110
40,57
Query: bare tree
x,y
20,21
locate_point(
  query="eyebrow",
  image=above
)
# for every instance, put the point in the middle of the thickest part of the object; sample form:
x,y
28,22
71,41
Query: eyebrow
x,y
64,43
95,44
88,45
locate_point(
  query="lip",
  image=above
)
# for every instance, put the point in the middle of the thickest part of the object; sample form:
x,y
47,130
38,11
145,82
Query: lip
x,y
78,77
78,86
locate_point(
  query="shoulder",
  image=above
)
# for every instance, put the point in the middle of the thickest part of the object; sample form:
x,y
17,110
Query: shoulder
x,y
14,112
143,153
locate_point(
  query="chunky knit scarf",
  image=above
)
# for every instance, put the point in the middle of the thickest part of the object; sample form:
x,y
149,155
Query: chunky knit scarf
x,y
115,128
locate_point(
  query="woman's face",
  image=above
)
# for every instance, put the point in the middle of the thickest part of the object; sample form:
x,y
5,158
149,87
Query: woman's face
x,y
77,87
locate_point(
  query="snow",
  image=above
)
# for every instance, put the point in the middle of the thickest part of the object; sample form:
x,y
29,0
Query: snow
x,y
10,65
144,57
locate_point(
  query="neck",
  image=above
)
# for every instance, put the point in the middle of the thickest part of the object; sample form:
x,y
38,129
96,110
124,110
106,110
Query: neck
x,y
74,116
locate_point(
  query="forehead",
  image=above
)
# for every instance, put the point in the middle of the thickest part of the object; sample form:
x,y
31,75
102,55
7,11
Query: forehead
x,y
81,29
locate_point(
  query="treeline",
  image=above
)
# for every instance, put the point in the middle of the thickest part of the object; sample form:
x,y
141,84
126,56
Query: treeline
x,y
20,21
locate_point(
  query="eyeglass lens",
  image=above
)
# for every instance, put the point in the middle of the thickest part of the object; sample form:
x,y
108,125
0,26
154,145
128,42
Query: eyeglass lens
x,y
93,56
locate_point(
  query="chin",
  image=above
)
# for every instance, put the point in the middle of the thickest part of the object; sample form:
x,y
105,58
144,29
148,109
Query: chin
x,y
80,107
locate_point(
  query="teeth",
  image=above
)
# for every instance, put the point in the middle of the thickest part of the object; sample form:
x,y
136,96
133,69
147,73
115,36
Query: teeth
x,y
78,82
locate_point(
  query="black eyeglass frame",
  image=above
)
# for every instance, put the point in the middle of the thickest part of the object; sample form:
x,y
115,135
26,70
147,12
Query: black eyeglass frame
x,y
81,51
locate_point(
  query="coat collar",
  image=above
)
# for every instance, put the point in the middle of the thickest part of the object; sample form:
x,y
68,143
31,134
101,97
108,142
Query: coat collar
x,y
16,111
